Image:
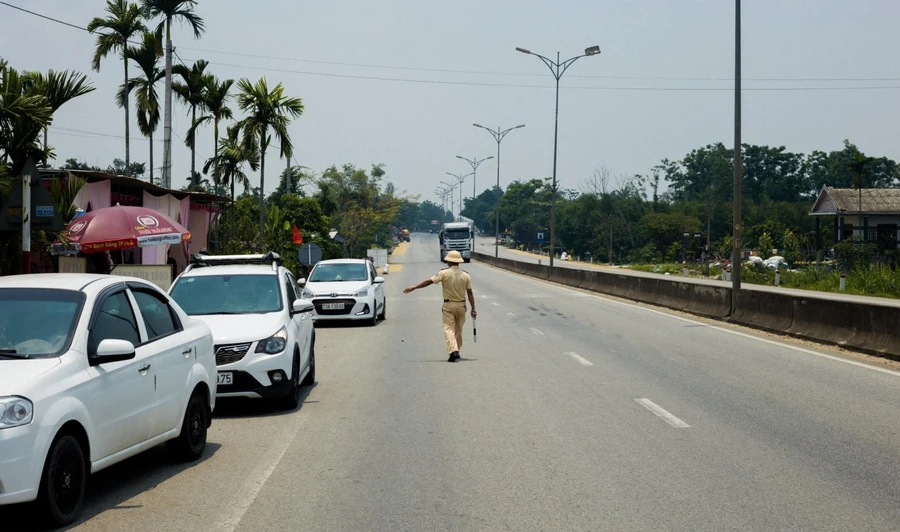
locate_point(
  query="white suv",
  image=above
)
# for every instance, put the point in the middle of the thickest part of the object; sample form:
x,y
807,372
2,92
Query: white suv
x,y
346,289
265,342
94,369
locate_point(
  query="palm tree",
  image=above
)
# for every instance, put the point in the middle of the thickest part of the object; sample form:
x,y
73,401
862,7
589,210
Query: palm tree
x,y
216,107
147,100
266,109
24,113
123,23
59,88
193,93
170,10
231,155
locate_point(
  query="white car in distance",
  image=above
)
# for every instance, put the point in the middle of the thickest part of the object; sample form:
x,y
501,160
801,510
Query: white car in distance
x,y
263,332
94,369
346,289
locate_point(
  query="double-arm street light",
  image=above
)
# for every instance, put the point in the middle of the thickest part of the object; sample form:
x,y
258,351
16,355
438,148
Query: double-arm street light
x,y
498,135
442,193
474,163
460,178
558,69
449,192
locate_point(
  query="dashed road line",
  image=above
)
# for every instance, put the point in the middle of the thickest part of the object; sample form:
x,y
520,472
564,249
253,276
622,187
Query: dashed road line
x,y
535,331
579,358
797,349
662,413
511,315
495,303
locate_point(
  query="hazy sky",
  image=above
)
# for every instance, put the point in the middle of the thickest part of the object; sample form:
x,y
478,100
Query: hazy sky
x,y
416,129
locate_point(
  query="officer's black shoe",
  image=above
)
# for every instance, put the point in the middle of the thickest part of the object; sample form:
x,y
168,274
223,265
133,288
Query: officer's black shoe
x,y
454,356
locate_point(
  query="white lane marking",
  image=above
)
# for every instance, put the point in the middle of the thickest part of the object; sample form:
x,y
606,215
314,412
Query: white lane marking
x,y
250,488
535,331
736,333
511,315
579,358
662,413
495,303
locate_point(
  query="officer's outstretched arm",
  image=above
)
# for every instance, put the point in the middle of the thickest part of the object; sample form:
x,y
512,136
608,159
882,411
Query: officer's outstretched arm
x,y
423,284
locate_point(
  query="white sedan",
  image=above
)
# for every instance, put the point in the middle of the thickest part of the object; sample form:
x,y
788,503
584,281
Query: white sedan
x,y
94,369
346,289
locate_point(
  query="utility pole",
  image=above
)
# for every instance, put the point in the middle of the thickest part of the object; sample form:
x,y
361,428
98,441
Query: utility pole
x,y
736,251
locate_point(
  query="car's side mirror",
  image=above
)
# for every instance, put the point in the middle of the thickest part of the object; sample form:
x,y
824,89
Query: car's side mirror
x,y
112,350
301,282
378,280
301,306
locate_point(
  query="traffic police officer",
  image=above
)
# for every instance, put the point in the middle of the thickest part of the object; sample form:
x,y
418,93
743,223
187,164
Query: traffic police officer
x,y
457,287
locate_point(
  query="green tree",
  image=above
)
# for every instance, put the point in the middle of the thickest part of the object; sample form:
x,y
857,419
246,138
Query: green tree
x,y
144,87
192,92
791,248
123,23
266,109
59,88
230,158
291,182
169,11
766,245
216,109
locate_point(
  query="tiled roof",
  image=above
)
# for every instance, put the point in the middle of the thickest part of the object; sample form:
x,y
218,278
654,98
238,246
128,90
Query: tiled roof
x,y
873,201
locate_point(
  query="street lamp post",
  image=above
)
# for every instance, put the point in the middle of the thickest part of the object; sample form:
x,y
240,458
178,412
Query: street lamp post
x,y
474,163
498,136
450,188
460,178
557,68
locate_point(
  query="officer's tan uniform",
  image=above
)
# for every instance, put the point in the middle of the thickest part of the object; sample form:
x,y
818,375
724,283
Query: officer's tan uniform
x,y
455,283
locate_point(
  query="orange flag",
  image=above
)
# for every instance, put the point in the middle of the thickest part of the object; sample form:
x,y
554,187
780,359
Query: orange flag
x,y
298,238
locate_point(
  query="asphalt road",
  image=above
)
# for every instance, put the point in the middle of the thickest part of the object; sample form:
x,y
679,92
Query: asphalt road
x,y
571,412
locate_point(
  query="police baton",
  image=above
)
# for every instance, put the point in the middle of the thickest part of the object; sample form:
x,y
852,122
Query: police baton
x,y
474,332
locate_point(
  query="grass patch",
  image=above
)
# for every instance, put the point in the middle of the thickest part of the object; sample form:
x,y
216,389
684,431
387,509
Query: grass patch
x,y
875,281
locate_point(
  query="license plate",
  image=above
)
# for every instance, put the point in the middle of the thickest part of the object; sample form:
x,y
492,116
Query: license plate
x,y
226,378
332,306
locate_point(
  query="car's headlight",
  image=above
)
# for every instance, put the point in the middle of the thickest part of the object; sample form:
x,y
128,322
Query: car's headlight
x,y
362,292
306,294
273,344
15,411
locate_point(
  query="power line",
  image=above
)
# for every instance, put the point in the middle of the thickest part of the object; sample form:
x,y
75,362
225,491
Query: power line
x,y
522,86
62,130
497,73
492,73
44,17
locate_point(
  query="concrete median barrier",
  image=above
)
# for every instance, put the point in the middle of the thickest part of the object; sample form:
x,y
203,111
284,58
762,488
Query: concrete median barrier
x,y
764,310
862,325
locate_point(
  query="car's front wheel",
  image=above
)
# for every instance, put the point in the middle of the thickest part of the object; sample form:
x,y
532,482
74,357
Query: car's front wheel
x,y
191,442
310,378
383,315
63,481
292,399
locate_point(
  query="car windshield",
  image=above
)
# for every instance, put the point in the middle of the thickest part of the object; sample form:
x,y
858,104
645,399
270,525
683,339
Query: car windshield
x,y
327,273
228,294
456,234
37,322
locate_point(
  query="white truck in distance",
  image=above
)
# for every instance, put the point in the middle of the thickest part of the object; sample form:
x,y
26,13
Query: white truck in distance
x,y
459,236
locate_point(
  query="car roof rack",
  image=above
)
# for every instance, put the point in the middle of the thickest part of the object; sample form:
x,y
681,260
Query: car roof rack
x,y
199,260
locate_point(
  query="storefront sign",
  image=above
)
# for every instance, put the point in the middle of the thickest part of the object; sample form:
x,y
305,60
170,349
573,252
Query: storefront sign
x,y
158,274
